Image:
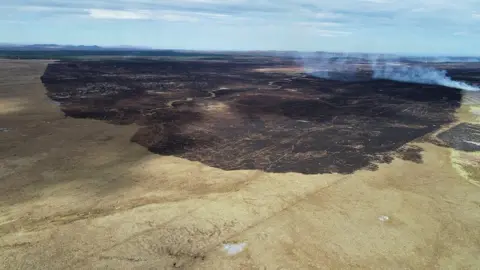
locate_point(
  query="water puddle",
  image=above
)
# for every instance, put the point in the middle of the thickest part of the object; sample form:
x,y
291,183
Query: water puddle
x,y
233,249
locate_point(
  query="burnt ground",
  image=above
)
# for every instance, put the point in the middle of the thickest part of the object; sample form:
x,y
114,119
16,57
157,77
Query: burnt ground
x,y
231,116
464,136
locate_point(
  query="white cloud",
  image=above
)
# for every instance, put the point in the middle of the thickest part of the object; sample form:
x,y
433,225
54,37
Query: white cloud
x,y
12,22
328,15
378,1
36,8
332,33
421,9
212,1
120,14
176,18
171,16
319,24
342,24
210,15
348,13
325,29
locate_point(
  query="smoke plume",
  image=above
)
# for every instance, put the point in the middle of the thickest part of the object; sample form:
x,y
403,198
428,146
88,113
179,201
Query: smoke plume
x,y
419,74
365,67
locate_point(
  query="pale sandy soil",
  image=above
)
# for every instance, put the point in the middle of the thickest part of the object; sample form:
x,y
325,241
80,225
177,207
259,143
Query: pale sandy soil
x,y
76,194
281,69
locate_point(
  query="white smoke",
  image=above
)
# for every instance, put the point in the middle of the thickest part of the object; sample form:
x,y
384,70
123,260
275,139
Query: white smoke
x,y
419,74
361,66
447,59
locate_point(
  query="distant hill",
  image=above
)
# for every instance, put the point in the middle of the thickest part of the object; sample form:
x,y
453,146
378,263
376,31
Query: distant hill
x,y
69,52
56,47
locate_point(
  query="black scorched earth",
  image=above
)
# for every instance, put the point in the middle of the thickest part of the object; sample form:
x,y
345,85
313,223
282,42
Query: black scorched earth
x,y
232,116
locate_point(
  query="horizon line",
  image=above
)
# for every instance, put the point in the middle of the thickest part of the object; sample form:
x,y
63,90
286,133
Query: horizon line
x,y
149,48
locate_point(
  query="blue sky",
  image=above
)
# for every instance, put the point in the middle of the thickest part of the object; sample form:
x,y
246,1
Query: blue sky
x,y
388,26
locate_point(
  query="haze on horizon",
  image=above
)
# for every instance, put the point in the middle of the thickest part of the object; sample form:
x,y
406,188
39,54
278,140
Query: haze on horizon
x,y
430,27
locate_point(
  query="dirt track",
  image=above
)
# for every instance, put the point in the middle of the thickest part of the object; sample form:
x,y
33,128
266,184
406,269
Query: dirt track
x,y
77,194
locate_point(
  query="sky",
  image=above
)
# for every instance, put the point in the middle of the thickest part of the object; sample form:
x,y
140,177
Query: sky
x,y
428,27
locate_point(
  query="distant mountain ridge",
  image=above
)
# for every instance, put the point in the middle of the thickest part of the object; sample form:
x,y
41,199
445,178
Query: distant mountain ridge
x,y
9,46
